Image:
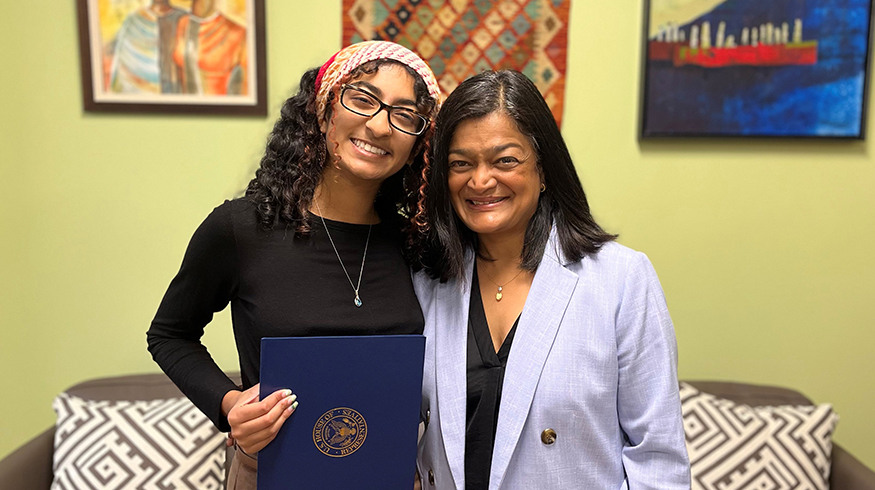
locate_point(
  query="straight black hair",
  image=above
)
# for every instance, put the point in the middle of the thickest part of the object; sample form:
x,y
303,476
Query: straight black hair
x,y
563,202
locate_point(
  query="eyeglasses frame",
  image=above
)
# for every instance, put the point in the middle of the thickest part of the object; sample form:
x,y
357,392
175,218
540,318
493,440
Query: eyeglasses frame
x,y
383,105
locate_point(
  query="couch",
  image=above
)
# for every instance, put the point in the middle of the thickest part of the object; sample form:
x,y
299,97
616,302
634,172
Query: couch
x,y
846,471
30,466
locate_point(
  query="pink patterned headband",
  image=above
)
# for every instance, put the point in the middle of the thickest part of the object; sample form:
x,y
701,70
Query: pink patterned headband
x,y
347,59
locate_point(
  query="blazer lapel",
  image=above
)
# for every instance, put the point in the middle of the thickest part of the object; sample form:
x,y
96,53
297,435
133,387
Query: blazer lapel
x,y
451,334
545,306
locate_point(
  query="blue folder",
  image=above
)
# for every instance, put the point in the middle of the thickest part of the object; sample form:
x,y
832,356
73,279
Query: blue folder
x,y
358,414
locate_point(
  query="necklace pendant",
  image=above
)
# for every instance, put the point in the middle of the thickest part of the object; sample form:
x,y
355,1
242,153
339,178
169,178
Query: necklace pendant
x,y
358,301
498,295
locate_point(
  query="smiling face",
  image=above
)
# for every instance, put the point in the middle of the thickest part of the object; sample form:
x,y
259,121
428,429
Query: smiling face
x,y
370,150
494,180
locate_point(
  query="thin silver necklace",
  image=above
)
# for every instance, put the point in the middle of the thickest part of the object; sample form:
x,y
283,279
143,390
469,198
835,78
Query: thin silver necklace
x,y
355,287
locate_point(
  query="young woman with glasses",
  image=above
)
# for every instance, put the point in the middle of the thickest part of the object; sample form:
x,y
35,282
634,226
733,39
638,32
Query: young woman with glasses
x,y
316,246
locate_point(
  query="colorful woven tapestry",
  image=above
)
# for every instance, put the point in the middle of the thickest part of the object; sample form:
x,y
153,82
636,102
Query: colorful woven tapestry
x,y
460,38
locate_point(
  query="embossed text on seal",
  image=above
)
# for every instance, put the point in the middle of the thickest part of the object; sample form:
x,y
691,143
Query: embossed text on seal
x,y
340,432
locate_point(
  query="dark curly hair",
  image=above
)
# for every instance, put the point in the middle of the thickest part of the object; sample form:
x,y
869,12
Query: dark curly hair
x,y
296,153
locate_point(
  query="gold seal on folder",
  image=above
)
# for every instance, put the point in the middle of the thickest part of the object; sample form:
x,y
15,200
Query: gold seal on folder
x,y
340,432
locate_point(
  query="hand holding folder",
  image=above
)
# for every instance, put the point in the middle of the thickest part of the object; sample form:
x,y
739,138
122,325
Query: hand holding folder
x,y
254,423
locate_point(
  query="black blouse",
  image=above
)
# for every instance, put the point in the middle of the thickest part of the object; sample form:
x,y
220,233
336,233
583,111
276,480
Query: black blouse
x,y
485,377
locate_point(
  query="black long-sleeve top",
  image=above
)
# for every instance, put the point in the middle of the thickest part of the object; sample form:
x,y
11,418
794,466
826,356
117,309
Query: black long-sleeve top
x,y
278,286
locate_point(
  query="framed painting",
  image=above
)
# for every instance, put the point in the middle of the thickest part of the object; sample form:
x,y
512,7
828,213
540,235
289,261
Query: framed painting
x,y
754,68
173,56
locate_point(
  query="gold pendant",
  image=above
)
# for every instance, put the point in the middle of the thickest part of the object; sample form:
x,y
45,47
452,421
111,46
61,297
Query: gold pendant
x,y
498,295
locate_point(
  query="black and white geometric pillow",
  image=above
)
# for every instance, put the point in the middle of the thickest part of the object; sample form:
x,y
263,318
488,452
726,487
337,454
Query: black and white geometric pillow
x,y
733,446
113,445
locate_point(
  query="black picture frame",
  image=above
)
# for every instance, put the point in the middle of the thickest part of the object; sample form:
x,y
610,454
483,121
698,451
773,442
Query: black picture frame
x,y
97,98
813,84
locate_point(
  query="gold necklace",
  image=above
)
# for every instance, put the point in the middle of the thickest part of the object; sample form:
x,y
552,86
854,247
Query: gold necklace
x,y
498,294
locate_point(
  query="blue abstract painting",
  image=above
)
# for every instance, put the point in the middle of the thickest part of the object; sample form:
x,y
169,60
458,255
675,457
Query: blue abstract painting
x,y
756,68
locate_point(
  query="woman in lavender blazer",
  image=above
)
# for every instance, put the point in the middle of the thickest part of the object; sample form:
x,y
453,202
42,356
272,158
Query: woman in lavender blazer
x,y
551,359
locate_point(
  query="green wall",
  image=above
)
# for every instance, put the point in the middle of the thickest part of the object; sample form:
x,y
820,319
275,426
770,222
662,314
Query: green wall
x,y
763,248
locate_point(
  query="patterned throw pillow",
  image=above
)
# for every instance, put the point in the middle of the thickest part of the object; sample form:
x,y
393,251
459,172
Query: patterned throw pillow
x,y
158,444
735,446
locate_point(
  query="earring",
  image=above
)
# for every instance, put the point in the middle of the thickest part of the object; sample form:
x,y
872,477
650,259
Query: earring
x,y
543,187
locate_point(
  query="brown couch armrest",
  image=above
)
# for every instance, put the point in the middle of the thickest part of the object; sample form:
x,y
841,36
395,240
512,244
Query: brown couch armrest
x,y
750,394
30,466
848,473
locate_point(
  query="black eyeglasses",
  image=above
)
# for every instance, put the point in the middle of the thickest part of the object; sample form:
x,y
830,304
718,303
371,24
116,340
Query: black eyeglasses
x,y
364,103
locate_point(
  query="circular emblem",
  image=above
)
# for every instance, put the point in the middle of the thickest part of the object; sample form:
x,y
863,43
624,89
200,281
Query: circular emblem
x,y
340,432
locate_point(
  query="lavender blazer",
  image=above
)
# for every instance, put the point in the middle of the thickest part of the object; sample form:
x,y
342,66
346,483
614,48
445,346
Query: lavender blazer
x,y
594,358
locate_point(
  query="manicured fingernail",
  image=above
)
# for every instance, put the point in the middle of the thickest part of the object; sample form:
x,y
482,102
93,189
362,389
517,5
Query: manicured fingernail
x,y
294,406
290,399
287,392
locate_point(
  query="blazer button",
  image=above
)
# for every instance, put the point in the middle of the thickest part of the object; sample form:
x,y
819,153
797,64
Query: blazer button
x,y
548,436
427,416
431,477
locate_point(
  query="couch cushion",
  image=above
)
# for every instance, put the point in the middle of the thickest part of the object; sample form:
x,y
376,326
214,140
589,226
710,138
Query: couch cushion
x,y
135,444
736,446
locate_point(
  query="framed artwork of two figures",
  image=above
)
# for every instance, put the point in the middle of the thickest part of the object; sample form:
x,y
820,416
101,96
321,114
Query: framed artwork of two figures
x,y
173,56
